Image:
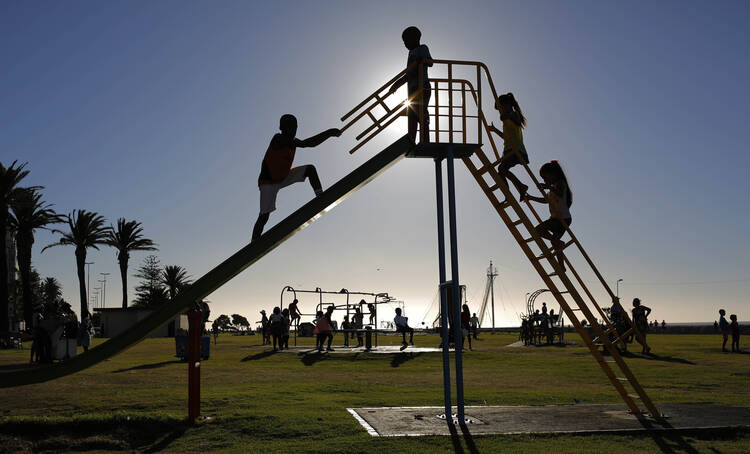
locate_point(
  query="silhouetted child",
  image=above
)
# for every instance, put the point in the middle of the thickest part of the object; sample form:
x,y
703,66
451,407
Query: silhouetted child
x,y
402,326
322,328
294,313
418,53
357,320
265,329
475,324
734,327
559,197
373,311
277,172
465,324
285,332
346,326
332,324
724,328
640,320
276,323
514,151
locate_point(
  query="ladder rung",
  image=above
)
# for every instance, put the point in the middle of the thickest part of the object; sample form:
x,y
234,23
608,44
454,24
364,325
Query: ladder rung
x,y
560,293
622,379
610,361
568,244
633,396
552,274
518,222
494,187
528,240
543,256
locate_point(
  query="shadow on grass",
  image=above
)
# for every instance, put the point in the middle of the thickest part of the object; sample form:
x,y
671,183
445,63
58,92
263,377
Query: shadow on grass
x,y
401,358
21,366
258,356
310,358
147,366
466,436
669,441
120,433
655,357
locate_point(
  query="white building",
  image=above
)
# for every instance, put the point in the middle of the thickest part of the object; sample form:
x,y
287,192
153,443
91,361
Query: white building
x,y
115,321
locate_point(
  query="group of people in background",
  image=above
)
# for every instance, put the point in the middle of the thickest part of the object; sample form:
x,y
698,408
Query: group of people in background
x,y
728,328
275,329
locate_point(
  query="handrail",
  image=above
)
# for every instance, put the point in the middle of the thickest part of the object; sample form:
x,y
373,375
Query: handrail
x,y
392,114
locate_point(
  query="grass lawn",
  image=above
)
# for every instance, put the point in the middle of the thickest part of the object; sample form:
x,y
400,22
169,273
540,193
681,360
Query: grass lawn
x,y
266,402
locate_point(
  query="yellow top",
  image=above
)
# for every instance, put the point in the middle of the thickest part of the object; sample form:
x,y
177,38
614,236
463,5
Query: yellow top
x,y
512,135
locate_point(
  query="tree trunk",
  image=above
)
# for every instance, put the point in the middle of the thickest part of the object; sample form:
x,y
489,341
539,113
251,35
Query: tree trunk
x,y
25,241
4,325
81,265
122,259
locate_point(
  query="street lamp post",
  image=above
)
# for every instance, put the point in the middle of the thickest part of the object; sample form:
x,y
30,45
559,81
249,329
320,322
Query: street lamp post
x,y
617,288
96,296
104,290
88,278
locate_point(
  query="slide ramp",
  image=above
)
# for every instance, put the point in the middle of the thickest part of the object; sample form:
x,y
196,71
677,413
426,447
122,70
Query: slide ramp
x,y
222,273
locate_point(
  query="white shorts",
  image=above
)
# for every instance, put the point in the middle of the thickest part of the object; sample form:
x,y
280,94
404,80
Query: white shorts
x,y
268,191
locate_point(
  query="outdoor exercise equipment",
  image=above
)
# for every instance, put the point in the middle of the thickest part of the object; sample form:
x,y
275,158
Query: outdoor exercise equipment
x,y
556,325
377,298
457,140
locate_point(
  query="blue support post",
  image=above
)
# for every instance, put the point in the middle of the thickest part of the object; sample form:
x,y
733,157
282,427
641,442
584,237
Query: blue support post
x,y
443,296
457,330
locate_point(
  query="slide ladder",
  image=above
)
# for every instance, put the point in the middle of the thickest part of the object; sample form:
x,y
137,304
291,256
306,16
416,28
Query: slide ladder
x,y
454,82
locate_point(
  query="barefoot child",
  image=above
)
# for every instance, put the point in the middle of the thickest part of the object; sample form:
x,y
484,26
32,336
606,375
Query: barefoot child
x,y
417,53
402,326
514,152
559,198
276,170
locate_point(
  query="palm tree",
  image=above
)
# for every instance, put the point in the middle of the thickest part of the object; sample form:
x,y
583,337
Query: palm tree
x,y
30,212
9,178
175,278
128,236
51,293
87,230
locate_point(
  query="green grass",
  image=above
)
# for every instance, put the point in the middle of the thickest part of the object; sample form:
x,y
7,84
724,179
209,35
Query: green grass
x,y
263,402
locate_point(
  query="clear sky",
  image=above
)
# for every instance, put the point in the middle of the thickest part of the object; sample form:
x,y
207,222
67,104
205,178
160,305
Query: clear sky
x,y
161,112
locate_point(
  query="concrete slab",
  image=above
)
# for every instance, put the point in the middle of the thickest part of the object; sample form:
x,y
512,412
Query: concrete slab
x,y
485,420
383,349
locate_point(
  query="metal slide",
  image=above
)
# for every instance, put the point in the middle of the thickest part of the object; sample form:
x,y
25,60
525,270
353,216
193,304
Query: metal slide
x,y
222,273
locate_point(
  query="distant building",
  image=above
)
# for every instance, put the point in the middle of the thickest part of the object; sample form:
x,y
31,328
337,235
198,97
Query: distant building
x,y
116,320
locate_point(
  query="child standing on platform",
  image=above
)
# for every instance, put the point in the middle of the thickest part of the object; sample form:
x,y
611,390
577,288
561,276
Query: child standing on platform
x,y
514,152
373,311
734,327
418,53
559,197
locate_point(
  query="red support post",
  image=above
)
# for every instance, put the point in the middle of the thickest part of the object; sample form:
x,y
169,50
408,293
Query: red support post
x,y
195,325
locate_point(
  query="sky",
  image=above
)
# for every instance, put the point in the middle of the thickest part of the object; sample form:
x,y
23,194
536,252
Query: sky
x,y
161,112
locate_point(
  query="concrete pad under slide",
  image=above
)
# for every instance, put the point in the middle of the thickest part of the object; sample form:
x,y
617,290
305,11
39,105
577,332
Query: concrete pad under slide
x,y
383,349
486,420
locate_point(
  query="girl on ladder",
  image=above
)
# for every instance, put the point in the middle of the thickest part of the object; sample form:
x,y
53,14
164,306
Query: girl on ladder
x,y
559,197
514,152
